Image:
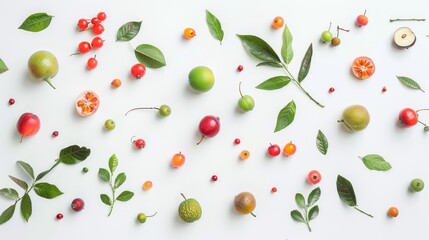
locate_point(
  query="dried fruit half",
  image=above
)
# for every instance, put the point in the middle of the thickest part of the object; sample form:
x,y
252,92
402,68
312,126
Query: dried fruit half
x,y
87,103
404,37
363,67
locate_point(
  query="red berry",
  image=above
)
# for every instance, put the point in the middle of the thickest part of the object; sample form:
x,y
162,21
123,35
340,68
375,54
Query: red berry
x,y
331,90
314,177
77,204
97,42
237,141
55,134
84,47
214,178
408,117
59,216
240,68
274,189
95,20
101,16
82,24
273,150
11,101
139,143
384,89
92,63
138,70
97,28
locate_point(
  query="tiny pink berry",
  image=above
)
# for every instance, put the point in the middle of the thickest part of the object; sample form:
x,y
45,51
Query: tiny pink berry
x,y
274,189
331,90
55,134
59,216
384,89
240,68
11,101
237,141
214,178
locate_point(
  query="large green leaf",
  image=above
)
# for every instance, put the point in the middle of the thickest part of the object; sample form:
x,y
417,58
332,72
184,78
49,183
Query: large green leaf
x,y
150,56
9,193
305,64
36,22
345,191
7,214
19,182
274,83
128,31
287,51
409,83
215,27
74,154
297,216
26,207
258,48
376,162
314,196
125,196
285,116
113,163
120,179
322,142
104,175
27,168
3,67
46,190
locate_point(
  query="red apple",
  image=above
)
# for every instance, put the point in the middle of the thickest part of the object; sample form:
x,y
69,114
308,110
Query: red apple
x,y
28,125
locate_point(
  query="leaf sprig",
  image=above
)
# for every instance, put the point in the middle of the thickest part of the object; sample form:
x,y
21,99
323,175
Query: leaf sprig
x,y
347,194
107,176
70,155
310,211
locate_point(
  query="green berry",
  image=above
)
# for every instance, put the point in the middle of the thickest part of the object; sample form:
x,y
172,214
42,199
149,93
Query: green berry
x,y
109,124
85,170
164,110
246,103
326,37
141,217
417,185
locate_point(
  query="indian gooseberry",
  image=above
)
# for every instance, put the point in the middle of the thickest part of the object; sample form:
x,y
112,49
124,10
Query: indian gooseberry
x,y
163,110
141,217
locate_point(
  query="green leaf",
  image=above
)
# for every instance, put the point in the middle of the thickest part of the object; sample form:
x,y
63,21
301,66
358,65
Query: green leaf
x,y
322,143
376,162
3,67
106,199
313,213
150,56
26,207
314,196
305,64
271,64
274,83
300,200
74,154
27,168
128,31
42,174
120,179
36,22
7,214
9,193
113,163
20,182
287,51
410,83
345,191
297,216
125,196
104,175
215,27
46,190
286,116
258,48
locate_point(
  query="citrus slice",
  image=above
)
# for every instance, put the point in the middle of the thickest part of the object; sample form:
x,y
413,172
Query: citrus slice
x,y
363,67
87,103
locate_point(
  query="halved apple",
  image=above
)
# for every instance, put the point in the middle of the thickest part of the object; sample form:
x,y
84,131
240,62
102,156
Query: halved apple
x,y
404,37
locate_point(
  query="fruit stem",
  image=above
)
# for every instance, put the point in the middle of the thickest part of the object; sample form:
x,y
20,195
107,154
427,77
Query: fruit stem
x,y
140,108
306,219
364,13
369,215
239,89
153,215
201,139
407,19
330,24
423,109
48,80
343,29
338,31
251,213
183,195
76,53
20,141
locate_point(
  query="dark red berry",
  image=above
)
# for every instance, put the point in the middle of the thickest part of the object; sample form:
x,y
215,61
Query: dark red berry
x,y
11,101
55,134
139,143
274,189
82,24
101,16
384,89
331,90
240,68
214,178
77,204
59,216
237,141
97,28
97,42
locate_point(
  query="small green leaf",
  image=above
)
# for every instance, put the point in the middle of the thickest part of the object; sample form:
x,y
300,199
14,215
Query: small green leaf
x,y
9,193
376,162
297,216
410,83
305,64
106,199
74,154
104,175
300,200
113,163
3,67
46,190
20,182
215,27
36,22
314,196
345,191
125,196
274,83
150,56
271,64
128,31
120,179
322,143
313,213
7,214
26,207
27,168
287,51
286,116
258,48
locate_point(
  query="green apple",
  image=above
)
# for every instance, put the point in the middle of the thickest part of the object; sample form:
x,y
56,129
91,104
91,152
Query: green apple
x,y
246,103
201,79
43,65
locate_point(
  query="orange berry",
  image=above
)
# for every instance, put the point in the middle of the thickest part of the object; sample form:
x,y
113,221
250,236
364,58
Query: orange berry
x,y
244,155
116,83
189,33
178,160
289,149
147,185
278,22
392,212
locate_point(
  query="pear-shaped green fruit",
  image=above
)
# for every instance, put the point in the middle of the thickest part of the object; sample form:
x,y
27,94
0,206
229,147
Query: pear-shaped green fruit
x,y
43,65
201,79
355,118
246,103
189,210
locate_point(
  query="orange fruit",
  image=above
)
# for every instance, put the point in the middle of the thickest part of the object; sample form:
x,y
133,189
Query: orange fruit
x,y
278,22
244,155
116,83
87,103
189,33
363,67
147,185
178,160
393,212
289,149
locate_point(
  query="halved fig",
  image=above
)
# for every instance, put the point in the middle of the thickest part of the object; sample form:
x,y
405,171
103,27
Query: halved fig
x,y
404,37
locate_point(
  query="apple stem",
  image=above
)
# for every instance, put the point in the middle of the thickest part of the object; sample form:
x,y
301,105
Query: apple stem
x,y
153,214
239,89
20,141
407,19
252,214
48,80
364,13
201,139
141,108
183,195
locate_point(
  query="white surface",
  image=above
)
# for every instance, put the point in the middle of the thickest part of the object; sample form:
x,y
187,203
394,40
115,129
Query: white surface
x,y
163,23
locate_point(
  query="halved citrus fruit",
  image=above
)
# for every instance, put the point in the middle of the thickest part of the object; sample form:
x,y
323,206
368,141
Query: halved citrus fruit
x,y
363,67
87,103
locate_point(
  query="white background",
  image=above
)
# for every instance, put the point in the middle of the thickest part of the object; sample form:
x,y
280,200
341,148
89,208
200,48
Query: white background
x,y
163,24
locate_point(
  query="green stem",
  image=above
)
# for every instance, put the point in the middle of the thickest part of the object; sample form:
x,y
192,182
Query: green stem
x,y
306,219
423,109
113,195
407,19
369,215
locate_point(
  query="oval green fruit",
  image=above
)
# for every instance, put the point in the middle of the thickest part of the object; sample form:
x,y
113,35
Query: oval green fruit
x,y
201,79
355,118
43,65
189,210
417,185
246,103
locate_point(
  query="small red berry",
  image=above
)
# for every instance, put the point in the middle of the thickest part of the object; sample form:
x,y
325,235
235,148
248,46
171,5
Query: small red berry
x,y
314,177
95,20
55,134
139,143
77,204
237,141
11,101
101,16
240,68
384,89
274,189
92,63
97,42
84,47
214,178
138,70
331,90
59,216
97,28
82,24
273,150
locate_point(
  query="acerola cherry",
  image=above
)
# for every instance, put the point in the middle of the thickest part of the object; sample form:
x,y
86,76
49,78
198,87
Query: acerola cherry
x,y
314,177
273,150
237,141
97,28
408,117
244,155
116,83
139,143
209,127
147,185
331,89
11,101
362,20
77,204
59,216
240,68
92,63
214,178
392,212
289,149
138,70
278,22
101,16
95,20
189,33
178,160
84,47
97,42
55,134
274,189
28,125
82,24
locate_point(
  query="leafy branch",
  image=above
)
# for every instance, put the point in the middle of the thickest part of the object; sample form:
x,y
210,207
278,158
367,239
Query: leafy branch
x,y
310,212
70,155
107,176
